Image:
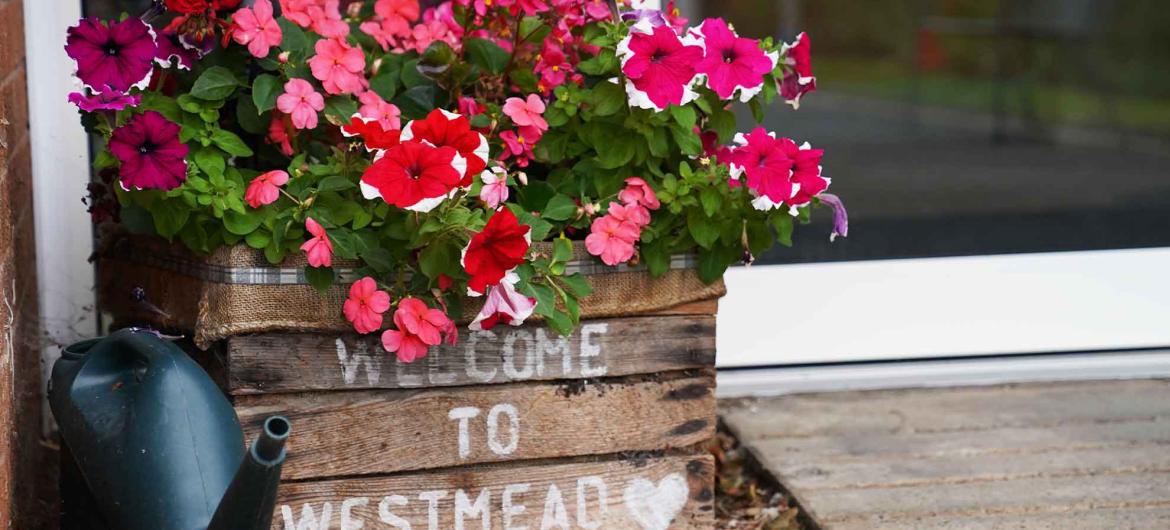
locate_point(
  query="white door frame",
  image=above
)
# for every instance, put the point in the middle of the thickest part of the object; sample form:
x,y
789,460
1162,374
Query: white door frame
x,y
60,166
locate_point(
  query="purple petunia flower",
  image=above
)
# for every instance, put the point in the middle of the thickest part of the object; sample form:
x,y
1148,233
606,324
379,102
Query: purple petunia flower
x,y
150,151
105,101
646,17
840,216
113,58
172,51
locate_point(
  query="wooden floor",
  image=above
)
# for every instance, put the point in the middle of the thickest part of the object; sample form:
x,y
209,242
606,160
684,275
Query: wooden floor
x,y
1086,455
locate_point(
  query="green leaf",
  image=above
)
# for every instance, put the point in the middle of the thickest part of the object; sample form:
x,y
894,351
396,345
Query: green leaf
x,y
241,223
228,141
560,323
385,84
265,89
321,278
687,140
533,29
164,105
485,54
684,116
249,117
216,83
783,224
562,249
608,99
712,201
560,208
335,183
210,161
436,259
546,299
169,217
416,102
378,258
293,38
341,107
702,228
577,284
757,110
723,123
258,239
712,265
656,256
614,151
605,63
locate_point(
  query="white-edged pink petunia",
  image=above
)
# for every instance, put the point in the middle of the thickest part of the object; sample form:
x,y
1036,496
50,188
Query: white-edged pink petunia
x,y
659,67
732,63
504,303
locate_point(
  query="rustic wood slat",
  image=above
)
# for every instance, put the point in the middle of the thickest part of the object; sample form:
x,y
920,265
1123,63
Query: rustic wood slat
x,y
385,431
288,362
660,493
1131,518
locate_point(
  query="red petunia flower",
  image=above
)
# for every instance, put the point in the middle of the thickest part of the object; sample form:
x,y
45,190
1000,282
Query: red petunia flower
x,y
372,132
442,128
413,175
659,67
150,151
499,248
732,63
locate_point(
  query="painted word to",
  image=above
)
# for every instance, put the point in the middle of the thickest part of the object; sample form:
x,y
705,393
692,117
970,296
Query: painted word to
x,y
585,503
463,415
490,356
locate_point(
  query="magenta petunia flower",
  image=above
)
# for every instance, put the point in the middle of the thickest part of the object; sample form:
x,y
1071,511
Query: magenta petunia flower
x,y
732,63
777,170
172,51
659,67
798,77
106,101
113,58
150,151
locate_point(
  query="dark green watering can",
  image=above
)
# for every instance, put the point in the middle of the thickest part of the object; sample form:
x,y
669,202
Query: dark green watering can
x,y
158,444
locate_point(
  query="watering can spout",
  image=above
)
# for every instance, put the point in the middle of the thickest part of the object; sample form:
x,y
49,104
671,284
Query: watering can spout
x,y
250,499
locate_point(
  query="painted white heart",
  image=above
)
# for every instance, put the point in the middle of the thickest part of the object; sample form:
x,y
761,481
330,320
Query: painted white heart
x,y
654,507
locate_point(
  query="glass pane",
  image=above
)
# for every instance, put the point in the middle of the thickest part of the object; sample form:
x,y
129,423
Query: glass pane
x,y
955,127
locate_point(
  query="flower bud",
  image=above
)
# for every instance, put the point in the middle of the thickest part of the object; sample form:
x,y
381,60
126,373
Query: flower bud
x,y
283,57
591,208
354,10
522,177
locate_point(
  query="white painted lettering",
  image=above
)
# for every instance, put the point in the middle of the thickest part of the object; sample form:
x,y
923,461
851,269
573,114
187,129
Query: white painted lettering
x,y
347,520
493,429
555,515
432,498
435,373
405,378
511,509
583,519
309,519
590,350
509,352
480,508
463,415
388,517
351,363
469,355
558,345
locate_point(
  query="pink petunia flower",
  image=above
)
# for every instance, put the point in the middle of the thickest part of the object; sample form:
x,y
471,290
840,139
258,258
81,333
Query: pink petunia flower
x,y
731,63
104,101
256,28
419,328
321,16
265,188
375,108
612,240
777,170
659,67
114,57
365,305
638,192
526,112
495,187
301,102
151,154
339,67
318,249
798,77
504,303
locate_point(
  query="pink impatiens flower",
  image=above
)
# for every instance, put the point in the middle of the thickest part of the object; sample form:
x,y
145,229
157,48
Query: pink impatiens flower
x,y
504,303
526,112
339,67
256,28
419,328
638,192
495,187
365,305
798,77
265,188
392,20
659,67
318,249
301,102
612,239
519,144
375,108
321,16
732,63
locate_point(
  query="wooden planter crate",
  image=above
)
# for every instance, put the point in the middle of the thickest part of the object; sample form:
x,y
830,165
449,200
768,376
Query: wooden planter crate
x,y
514,427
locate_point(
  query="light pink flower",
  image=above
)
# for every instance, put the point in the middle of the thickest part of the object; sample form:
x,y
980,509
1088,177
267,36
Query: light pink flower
x,y
339,67
375,108
504,303
256,28
526,112
631,212
318,249
392,20
365,305
495,186
265,188
612,240
637,191
301,102
423,34
321,16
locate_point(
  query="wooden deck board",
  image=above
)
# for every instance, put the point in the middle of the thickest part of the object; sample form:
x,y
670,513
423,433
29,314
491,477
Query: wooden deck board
x,y
1038,456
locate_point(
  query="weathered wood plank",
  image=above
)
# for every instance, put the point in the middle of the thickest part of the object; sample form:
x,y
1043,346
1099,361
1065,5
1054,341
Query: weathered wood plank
x,y
287,362
385,431
660,493
1130,518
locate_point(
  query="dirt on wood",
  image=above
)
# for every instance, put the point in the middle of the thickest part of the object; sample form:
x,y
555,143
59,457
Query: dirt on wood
x,y
743,499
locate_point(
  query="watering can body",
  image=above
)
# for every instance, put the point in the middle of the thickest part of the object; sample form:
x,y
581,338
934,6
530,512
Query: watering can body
x,y
156,441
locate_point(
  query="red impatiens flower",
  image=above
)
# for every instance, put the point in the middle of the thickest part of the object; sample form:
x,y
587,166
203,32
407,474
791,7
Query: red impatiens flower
x,y
150,151
413,175
419,328
113,58
442,128
777,170
659,67
365,305
265,188
798,77
499,248
732,63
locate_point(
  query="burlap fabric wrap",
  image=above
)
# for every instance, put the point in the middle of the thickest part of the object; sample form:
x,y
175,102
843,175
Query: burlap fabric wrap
x,y
235,290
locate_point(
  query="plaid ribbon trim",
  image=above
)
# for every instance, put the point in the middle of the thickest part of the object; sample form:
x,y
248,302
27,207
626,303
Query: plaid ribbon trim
x,y
296,276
